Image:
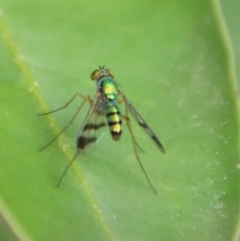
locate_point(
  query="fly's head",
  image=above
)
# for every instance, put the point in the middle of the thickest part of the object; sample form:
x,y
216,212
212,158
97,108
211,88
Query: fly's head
x,y
98,74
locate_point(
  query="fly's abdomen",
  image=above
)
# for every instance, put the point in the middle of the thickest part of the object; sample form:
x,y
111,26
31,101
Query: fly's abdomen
x,y
114,121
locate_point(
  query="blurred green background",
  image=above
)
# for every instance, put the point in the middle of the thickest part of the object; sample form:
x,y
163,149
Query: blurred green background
x,y
177,61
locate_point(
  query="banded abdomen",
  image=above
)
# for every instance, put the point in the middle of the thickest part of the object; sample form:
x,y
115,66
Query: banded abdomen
x,y
110,93
114,121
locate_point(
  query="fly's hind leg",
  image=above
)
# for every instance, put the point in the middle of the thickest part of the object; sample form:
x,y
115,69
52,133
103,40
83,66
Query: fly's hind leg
x,y
85,99
120,101
135,145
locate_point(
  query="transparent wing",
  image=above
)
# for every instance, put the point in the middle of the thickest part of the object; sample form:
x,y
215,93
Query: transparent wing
x,y
87,134
141,121
94,122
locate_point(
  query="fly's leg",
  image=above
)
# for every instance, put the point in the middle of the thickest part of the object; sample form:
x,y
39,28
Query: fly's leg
x,y
66,169
120,101
135,145
85,98
139,146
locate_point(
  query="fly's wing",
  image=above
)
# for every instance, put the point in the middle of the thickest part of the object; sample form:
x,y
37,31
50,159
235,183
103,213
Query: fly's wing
x,y
141,122
92,123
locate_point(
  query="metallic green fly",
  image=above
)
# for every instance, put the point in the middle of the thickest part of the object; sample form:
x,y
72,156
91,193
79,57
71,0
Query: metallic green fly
x,y
105,104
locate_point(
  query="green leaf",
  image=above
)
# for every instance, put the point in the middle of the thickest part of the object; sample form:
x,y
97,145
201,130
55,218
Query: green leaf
x,y
173,61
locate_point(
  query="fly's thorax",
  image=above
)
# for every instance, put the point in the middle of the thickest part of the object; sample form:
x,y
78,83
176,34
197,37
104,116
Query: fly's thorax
x,y
114,121
109,89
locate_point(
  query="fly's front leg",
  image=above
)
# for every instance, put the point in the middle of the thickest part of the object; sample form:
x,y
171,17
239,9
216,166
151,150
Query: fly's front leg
x,y
85,99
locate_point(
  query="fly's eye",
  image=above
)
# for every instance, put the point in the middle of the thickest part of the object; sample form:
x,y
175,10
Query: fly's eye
x,y
96,74
109,72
